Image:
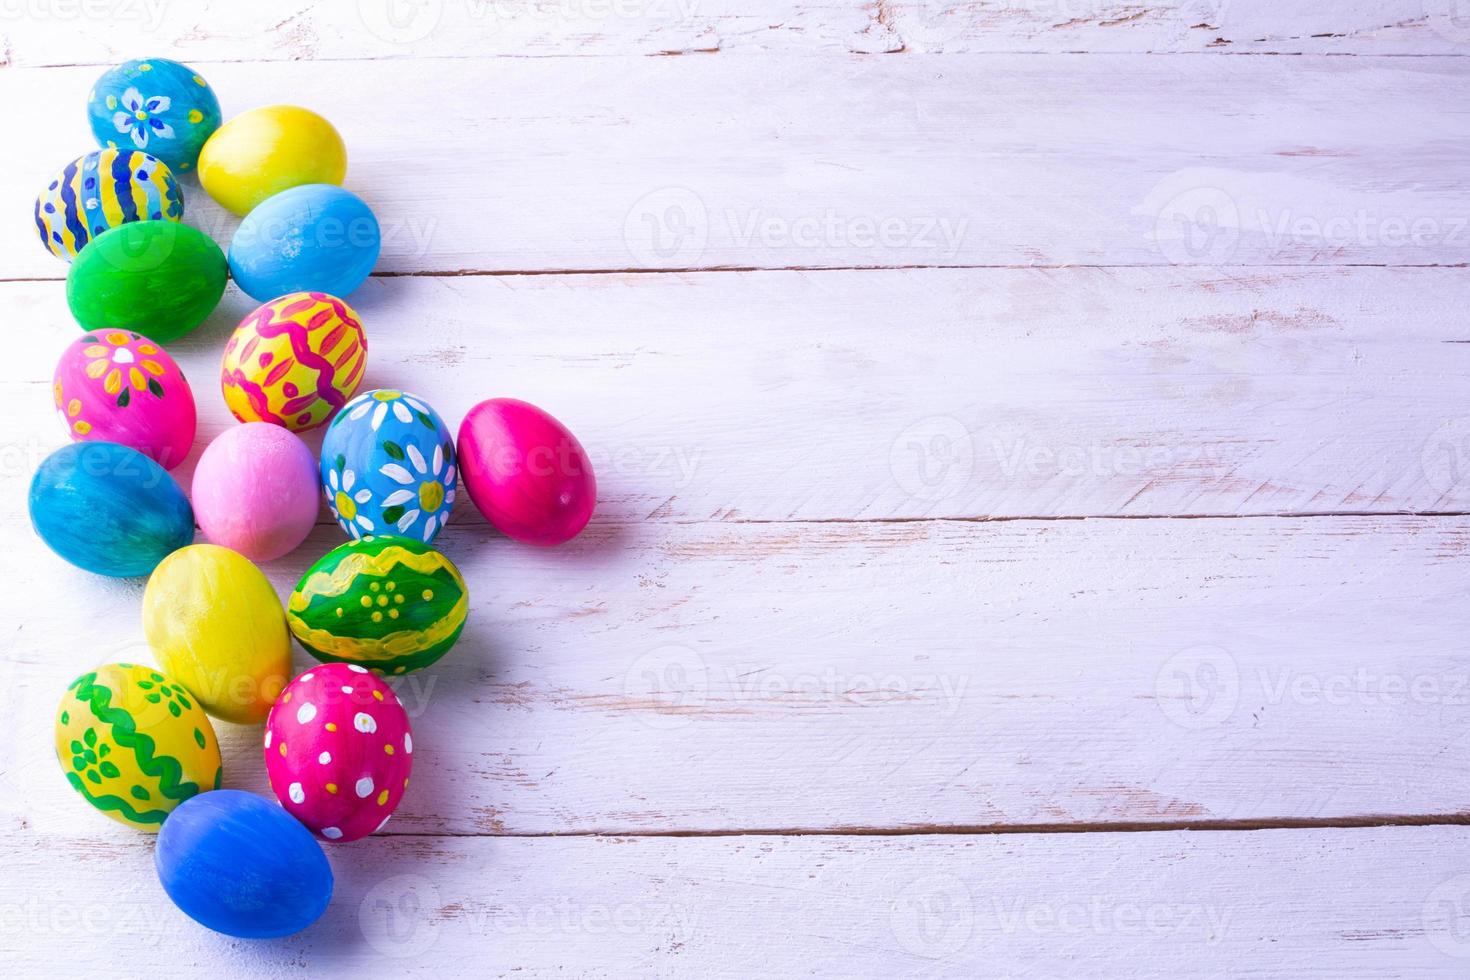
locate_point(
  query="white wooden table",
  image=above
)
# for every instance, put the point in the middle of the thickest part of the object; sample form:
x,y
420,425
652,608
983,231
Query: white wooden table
x,y
1034,450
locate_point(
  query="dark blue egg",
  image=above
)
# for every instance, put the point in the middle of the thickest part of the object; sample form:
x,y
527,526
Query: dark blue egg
x,y
312,238
241,865
109,509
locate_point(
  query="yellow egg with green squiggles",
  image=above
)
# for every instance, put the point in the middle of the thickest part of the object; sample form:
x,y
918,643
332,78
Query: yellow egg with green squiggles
x,y
135,744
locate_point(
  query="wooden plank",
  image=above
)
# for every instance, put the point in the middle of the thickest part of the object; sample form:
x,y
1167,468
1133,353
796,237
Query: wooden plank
x,y
204,32
798,162
1318,903
662,677
926,393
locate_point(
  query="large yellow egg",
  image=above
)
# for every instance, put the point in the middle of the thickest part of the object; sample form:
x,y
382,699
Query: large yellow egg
x,y
267,150
135,743
216,625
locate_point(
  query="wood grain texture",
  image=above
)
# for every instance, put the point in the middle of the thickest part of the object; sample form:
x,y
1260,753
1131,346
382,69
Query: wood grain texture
x,y
203,32
655,677
796,162
1320,904
880,395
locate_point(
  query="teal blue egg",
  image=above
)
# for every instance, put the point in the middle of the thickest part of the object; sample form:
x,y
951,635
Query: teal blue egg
x,y
109,509
155,105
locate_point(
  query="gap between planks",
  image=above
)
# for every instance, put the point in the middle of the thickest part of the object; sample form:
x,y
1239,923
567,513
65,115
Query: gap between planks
x,y
970,830
835,53
719,269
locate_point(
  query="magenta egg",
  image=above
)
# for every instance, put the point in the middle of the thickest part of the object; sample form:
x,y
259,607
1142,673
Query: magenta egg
x,y
256,490
526,472
338,751
119,386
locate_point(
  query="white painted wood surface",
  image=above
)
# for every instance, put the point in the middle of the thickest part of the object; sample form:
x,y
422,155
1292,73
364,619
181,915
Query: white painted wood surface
x,y
103,31
787,161
1148,514
1313,903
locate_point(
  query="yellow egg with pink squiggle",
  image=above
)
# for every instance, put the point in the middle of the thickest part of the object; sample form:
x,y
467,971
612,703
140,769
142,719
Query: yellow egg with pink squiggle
x,y
294,361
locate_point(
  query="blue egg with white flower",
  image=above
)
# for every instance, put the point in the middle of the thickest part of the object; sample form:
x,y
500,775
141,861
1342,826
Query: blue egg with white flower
x,y
155,105
388,466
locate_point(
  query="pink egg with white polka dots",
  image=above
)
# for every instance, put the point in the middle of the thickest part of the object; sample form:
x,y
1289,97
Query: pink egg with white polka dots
x,y
338,751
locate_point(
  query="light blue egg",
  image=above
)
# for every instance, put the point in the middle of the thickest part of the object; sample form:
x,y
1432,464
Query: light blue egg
x,y
241,865
312,238
156,105
109,509
388,466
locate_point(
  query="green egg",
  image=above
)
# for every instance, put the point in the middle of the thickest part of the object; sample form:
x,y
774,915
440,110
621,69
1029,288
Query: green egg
x,y
159,278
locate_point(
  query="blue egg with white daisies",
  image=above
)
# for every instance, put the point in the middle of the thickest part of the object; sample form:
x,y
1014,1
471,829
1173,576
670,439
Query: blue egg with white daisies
x,y
316,238
109,509
241,865
388,466
156,105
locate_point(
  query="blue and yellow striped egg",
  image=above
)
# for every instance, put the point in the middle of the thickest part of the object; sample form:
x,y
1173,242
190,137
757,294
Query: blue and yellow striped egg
x,y
100,191
135,744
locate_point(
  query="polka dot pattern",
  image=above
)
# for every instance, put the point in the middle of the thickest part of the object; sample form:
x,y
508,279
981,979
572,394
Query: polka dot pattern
x,y
338,751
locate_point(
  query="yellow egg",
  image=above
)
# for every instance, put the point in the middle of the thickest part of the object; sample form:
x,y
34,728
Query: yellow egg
x,y
267,150
216,625
135,743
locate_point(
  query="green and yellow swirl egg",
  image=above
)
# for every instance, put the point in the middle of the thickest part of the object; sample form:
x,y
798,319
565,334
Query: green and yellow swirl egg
x,y
388,603
135,744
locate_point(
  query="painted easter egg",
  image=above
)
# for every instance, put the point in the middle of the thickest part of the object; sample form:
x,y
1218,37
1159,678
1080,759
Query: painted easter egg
x,y
389,603
103,190
315,237
526,472
338,750
236,863
268,150
109,509
255,490
214,623
388,466
157,277
156,105
134,743
294,361
119,386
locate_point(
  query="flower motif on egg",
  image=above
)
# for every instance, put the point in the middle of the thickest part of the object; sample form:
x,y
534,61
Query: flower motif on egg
x,y
344,503
124,363
138,117
400,456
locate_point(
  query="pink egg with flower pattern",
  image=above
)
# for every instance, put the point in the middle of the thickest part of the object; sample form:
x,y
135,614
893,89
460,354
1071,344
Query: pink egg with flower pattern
x,y
119,386
338,751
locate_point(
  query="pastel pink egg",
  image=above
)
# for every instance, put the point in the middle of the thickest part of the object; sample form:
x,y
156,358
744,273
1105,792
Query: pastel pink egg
x,y
338,751
119,386
256,490
526,472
